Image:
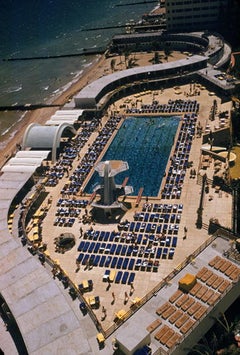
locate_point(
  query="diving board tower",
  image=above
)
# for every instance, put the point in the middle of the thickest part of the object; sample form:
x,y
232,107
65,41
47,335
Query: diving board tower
x,y
109,191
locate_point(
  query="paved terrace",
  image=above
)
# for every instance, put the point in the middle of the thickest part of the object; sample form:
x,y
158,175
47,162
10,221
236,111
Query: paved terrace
x,y
63,326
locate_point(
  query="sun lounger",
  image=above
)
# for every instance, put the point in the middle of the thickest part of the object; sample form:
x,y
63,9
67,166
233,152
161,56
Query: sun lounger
x,y
194,308
163,308
182,300
201,272
125,277
187,304
230,270
175,316
207,295
102,261
108,261
187,326
125,263
217,282
169,311
175,296
118,276
214,261
154,325
173,340
222,288
179,323
119,263
161,332
168,334
200,312
114,262
131,278
212,300
96,260
211,280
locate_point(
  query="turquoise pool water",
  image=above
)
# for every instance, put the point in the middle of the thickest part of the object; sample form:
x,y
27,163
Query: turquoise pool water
x,y
145,143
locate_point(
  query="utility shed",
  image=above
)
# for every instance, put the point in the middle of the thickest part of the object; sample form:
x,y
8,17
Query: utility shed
x,y
130,339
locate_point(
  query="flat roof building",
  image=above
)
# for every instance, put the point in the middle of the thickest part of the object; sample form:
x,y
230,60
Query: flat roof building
x,y
194,15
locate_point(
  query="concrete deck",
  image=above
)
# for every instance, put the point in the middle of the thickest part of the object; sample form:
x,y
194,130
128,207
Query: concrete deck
x,y
79,332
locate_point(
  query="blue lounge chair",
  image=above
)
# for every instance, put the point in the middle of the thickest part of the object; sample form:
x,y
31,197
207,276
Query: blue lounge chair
x,y
129,250
132,226
108,261
174,242
138,264
165,253
131,264
135,250
111,237
159,253
102,261
102,247
137,227
118,276
107,249
171,253
101,236
168,242
96,248
125,263
106,236
125,277
85,259
114,262
113,248
131,277
118,250
85,248
96,260
119,263
91,247
80,257
124,249
81,245
139,238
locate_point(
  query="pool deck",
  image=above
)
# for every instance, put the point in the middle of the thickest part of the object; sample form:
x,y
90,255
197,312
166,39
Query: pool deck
x,y
218,206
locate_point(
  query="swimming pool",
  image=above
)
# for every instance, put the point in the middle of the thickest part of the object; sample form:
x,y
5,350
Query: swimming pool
x,y
145,143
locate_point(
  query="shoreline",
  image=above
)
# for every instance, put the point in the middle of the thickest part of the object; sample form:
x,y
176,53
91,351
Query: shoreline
x,y
40,116
99,67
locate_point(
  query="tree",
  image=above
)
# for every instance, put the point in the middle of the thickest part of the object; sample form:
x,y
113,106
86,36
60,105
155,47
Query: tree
x,y
167,51
156,58
113,62
126,56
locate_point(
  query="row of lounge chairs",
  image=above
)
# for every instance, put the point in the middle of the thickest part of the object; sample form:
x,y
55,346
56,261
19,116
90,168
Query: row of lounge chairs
x,y
157,217
180,159
72,203
80,173
163,207
172,106
64,222
67,212
142,254
226,267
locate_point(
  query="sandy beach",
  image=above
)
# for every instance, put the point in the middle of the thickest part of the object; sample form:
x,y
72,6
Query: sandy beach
x,y
100,67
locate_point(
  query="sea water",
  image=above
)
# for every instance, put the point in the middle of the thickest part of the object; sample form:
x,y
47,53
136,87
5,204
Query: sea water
x,y
145,143
51,27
